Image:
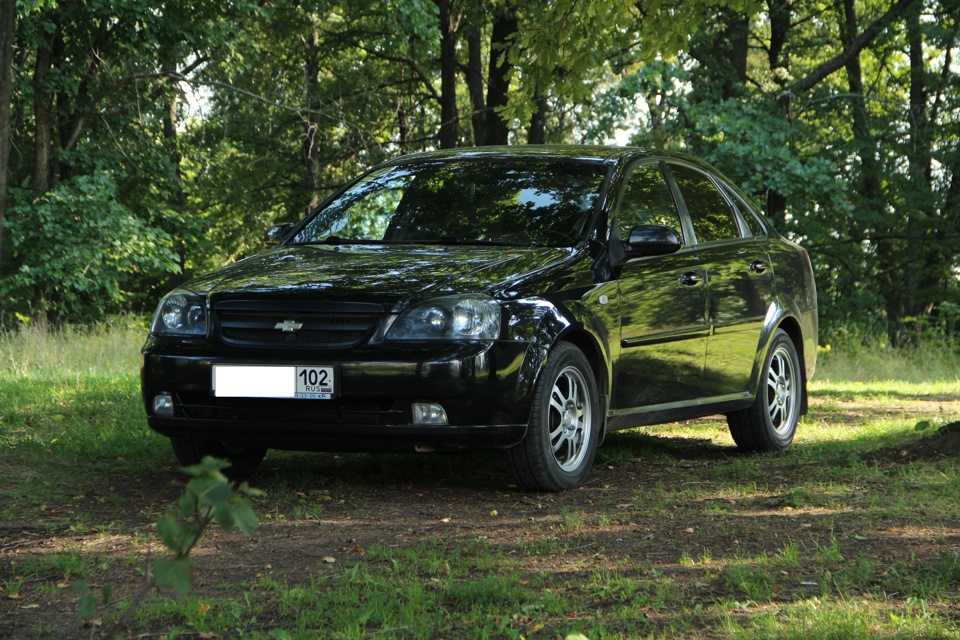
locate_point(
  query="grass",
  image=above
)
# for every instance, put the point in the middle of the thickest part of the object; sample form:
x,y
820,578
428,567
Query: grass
x,y
70,401
822,540
864,358
110,347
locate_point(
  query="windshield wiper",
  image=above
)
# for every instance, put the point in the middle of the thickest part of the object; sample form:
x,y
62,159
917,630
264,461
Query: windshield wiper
x,y
445,240
337,240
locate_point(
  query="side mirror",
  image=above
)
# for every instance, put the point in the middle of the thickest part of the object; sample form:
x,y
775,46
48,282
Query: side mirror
x,y
653,240
275,234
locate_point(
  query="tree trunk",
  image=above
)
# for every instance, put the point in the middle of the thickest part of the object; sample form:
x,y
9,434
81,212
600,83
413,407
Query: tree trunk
x,y
922,284
775,208
736,38
945,235
168,64
871,190
498,77
8,12
863,136
73,107
780,12
43,123
780,16
722,56
17,117
851,49
474,76
308,148
950,215
537,132
449,118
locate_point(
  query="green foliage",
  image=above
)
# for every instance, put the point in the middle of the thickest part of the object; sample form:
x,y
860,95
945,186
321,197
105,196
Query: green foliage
x,y
88,604
209,498
178,133
77,247
72,405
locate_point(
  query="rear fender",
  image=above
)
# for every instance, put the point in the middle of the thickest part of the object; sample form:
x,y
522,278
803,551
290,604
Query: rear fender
x,y
782,314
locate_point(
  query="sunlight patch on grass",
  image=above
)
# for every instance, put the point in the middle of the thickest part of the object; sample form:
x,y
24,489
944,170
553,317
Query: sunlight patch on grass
x,y
844,619
889,388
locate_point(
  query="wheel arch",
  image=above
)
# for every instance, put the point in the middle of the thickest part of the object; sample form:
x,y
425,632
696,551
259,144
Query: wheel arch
x,y
555,325
590,347
791,326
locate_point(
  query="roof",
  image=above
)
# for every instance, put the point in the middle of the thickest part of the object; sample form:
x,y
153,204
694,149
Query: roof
x,y
566,151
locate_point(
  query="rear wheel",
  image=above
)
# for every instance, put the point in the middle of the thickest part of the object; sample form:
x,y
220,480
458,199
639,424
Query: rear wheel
x,y
557,452
770,423
243,460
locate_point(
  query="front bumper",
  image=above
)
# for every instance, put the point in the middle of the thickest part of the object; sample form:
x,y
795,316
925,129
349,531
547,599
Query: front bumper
x,y
477,385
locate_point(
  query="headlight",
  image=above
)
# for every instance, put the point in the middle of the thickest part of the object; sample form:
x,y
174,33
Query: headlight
x,y
449,318
181,313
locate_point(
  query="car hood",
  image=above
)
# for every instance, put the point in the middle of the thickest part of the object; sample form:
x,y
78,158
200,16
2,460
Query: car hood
x,y
382,273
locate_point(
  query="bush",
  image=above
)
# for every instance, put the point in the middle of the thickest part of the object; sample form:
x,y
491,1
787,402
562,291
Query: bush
x,y
74,251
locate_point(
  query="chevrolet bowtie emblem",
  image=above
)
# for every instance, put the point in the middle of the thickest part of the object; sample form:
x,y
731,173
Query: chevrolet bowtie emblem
x,y
289,325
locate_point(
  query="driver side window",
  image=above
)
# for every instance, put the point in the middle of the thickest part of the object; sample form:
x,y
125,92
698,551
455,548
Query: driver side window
x,y
646,200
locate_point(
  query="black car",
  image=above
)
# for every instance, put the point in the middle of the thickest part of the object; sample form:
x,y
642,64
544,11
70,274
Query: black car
x,y
526,298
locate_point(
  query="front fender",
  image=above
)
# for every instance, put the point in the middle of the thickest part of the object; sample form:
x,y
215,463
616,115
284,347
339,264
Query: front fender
x,y
584,322
539,323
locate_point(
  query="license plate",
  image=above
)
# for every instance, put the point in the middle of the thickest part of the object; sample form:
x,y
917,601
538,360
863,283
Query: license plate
x,y
313,382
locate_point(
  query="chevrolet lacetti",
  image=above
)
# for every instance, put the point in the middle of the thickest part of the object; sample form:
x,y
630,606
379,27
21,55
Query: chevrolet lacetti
x,y
530,299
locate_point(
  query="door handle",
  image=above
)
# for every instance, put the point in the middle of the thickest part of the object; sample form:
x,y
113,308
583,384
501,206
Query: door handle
x,y
691,279
758,266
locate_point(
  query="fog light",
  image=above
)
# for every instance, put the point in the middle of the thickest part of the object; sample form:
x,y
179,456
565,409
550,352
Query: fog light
x,y
163,404
429,413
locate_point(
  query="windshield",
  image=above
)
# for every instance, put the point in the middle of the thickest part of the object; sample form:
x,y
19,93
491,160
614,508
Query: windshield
x,y
515,201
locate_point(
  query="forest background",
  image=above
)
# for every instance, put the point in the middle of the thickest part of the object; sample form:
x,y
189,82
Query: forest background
x,y
143,142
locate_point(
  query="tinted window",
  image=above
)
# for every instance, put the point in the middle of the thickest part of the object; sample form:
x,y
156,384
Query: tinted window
x,y
646,199
752,224
747,212
516,201
712,217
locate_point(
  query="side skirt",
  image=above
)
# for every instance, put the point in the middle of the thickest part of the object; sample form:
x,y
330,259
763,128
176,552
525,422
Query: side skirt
x,y
674,411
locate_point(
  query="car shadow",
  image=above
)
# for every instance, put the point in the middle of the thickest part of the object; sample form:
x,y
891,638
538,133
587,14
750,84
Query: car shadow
x,y
483,470
476,470
633,445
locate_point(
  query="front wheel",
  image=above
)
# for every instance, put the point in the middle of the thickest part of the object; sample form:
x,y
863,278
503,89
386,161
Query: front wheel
x,y
561,441
769,424
243,460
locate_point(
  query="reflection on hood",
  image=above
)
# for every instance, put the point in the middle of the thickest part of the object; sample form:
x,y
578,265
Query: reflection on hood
x,y
380,273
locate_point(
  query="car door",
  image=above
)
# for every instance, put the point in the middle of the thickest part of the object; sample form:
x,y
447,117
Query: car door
x,y
739,281
663,335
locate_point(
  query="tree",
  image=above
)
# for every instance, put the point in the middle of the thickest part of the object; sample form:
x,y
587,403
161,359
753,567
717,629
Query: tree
x,y
813,126
188,129
7,21
93,99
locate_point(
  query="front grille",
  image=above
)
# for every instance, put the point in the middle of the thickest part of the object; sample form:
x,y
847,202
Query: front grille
x,y
329,325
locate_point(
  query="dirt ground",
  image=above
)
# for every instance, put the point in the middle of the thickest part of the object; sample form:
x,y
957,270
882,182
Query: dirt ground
x,y
347,508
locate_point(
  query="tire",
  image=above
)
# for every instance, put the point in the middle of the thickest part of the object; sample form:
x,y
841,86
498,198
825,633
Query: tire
x,y
770,423
561,440
243,460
